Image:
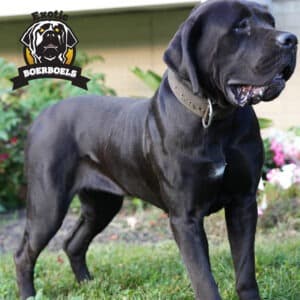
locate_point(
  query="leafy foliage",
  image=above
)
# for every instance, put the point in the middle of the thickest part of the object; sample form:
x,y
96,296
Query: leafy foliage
x,y
150,78
19,108
283,208
268,162
265,123
295,130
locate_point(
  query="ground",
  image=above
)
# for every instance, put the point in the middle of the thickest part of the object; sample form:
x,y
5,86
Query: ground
x,y
145,226
149,225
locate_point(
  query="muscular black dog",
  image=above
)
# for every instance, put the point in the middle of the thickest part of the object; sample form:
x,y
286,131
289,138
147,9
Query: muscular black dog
x,y
192,149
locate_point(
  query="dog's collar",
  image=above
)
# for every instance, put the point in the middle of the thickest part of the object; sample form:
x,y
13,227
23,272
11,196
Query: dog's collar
x,y
202,107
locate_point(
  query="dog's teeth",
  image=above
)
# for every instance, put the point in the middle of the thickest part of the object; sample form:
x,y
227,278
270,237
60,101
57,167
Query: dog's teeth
x,y
261,92
243,100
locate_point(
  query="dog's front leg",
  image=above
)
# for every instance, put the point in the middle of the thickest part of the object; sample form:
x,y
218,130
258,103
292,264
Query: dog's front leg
x,y
191,239
241,219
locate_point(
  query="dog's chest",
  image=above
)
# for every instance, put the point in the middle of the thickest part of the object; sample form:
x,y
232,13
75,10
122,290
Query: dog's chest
x,y
217,170
240,174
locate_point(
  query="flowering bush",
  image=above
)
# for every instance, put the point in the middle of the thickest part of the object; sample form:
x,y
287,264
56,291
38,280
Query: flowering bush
x,y
282,158
279,189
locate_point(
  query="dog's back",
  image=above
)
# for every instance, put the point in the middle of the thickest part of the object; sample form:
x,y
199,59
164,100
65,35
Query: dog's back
x,y
84,137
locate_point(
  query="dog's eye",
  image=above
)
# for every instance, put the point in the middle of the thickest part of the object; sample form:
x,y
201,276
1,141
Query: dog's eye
x,y
269,19
57,29
272,22
242,26
41,30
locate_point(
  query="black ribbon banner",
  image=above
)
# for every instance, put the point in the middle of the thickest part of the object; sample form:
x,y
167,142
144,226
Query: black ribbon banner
x,y
62,71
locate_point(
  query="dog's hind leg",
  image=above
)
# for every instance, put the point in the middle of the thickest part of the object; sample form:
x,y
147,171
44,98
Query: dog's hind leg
x,y
46,209
97,210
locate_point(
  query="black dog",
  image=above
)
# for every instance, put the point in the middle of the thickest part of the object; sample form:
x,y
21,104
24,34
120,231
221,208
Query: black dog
x,y
48,41
192,149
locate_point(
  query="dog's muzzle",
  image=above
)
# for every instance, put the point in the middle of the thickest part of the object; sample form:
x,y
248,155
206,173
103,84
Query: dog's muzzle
x,y
241,94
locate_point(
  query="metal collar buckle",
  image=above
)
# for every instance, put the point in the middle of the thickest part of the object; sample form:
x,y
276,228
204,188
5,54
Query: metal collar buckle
x,y
208,115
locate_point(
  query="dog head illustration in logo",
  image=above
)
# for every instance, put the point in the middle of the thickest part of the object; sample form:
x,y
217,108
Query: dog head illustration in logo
x,y
49,51
49,41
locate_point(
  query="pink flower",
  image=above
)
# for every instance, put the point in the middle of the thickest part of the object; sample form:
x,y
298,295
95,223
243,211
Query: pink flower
x,y
279,159
292,153
3,157
260,211
276,147
13,140
271,174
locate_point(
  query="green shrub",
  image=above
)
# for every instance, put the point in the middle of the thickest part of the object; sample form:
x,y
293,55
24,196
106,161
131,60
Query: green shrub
x,y
283,207
19,108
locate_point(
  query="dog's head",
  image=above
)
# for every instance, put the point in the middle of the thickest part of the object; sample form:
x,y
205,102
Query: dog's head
x,y
48,41
231,52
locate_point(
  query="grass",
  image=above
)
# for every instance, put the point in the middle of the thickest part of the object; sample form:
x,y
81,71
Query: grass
x,y
155,271
147,272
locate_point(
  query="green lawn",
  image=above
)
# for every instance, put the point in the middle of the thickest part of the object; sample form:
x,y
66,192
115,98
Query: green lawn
x,y
143,272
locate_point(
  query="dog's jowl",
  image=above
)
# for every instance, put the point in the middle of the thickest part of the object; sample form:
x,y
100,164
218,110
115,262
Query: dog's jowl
x,y
192,149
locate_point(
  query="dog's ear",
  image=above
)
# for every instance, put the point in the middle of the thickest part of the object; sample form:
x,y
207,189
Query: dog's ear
x,y
179,54
27,36
71,38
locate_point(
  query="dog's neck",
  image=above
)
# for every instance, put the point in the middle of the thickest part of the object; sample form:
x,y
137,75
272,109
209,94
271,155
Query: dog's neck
x,y
198,105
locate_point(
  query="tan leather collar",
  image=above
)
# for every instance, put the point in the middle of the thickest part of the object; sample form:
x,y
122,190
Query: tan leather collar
x,y
200,106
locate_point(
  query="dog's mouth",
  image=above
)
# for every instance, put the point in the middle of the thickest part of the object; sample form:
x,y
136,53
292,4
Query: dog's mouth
x,y
50,46
50,51
242,94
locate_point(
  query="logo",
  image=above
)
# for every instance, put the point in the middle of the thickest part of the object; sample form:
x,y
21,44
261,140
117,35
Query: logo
x,y
49,51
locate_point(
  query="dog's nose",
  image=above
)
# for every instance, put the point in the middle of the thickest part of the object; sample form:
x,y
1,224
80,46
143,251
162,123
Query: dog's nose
x,y
50,34
286,40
